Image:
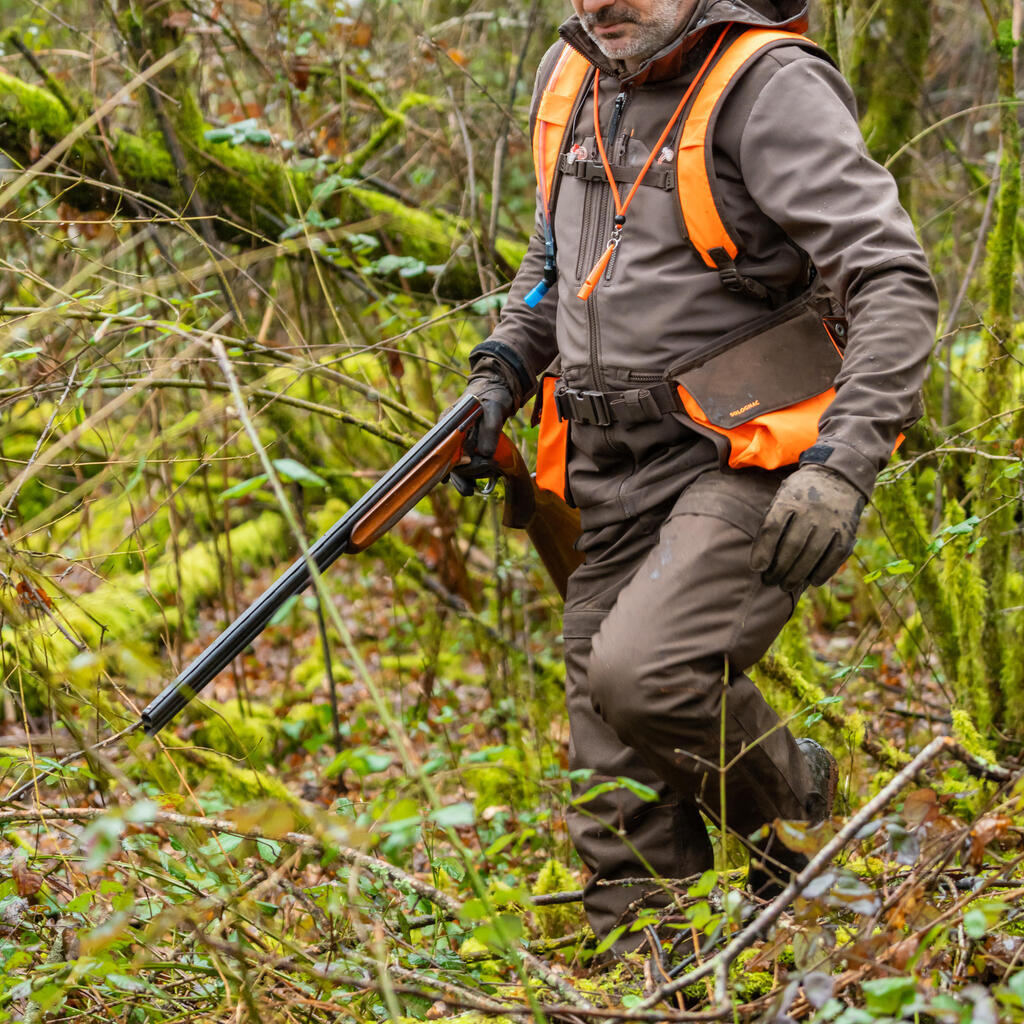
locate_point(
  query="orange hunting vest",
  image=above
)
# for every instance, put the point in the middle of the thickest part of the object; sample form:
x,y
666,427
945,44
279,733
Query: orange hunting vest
x,y
768,441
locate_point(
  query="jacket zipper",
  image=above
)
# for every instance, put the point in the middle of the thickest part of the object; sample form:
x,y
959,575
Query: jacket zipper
x,y
589,190
602,218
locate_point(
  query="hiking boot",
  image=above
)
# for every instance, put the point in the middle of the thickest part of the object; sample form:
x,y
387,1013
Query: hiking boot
x,y
773,867
824,780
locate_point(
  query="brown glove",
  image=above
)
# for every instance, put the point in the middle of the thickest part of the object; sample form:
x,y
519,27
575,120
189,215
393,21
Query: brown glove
x,y
809,529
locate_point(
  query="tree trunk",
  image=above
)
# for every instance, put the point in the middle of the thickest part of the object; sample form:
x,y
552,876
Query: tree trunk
x,y
250,198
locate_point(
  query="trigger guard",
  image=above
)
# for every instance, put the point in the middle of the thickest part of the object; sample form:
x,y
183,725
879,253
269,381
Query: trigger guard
x,y
489,483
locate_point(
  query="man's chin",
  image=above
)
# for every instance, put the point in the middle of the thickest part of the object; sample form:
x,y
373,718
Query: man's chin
x,y
617,45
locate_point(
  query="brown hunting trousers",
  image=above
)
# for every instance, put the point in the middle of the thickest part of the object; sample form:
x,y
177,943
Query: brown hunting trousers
x,y
661,623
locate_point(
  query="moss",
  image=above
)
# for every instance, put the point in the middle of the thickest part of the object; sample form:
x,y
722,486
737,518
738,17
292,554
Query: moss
x,y
967,734
512,779
31,107
556,921
208,771
906,525
142,161
251,734
1012,676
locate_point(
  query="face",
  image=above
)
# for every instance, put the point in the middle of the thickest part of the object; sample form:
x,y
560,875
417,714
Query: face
x,y
632,30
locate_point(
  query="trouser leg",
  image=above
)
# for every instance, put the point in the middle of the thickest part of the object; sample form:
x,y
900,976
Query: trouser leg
x,y
617,833
667,665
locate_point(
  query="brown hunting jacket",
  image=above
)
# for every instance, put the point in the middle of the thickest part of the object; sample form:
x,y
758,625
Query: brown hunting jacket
x,y
799,189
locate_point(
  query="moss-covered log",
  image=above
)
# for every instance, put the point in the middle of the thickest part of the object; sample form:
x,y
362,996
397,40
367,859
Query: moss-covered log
x,y
251,197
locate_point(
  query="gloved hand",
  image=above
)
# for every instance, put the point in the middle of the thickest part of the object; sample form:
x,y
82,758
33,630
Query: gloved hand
x,y
809,529
499,403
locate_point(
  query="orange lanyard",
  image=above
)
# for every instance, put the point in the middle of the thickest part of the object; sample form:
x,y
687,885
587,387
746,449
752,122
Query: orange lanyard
x,y
622,207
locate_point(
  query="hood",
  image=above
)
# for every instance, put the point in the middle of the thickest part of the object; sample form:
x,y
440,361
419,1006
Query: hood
x,y
666,63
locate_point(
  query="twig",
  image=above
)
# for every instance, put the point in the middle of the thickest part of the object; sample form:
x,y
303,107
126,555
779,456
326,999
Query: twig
x,y
36,779
265,393
719,964
39,443
299,839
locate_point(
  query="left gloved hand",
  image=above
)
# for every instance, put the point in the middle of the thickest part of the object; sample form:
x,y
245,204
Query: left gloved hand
x,y
809,529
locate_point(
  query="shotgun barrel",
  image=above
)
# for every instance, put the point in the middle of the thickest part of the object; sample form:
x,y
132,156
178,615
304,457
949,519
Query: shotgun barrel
x,y
412,477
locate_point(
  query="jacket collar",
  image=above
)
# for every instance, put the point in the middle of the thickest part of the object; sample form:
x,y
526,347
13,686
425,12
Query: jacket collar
x,y
668,62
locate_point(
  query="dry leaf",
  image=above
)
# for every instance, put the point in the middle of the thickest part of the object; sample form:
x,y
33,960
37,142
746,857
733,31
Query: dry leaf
x,y
988,829
921,806
438,1010
178,19
27,882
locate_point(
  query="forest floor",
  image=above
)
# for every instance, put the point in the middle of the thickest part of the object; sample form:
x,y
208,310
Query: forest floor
x,y
257,865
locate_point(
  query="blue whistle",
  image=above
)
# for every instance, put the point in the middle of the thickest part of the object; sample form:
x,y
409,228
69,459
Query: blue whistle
x,y
533,300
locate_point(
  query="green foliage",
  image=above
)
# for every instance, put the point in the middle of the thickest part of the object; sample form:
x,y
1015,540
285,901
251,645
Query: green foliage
x,y
314,187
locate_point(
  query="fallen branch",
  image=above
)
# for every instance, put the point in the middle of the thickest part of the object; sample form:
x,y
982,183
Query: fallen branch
x,y
719,964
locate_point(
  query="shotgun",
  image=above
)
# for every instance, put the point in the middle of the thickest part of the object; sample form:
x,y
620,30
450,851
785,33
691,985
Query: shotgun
x,y
551,524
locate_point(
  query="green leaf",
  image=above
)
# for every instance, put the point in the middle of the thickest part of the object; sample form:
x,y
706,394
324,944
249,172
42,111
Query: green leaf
x,y
703,886
454,816
285,610
21,354
499,934
1016,984
219,135
638,789
611,938
327,188
294,471
405,266
975,923
240,490
886,997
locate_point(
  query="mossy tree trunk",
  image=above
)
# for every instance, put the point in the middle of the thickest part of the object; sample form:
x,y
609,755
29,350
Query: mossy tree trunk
x,y
249,196
882,48
998,497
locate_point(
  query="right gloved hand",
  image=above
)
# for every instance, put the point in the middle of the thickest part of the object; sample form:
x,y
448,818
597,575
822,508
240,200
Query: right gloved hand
x,y
498,404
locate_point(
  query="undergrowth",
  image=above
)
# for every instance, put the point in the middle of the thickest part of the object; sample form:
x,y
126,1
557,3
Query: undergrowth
x,y
363,818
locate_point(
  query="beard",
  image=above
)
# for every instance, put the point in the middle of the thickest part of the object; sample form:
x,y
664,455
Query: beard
x,y
643,36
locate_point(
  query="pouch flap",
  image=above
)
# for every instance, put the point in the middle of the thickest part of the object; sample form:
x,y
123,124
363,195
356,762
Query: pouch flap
x,y
555,109
787,361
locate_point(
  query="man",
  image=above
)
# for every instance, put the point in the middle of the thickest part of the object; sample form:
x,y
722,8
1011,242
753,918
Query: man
x,y
697,549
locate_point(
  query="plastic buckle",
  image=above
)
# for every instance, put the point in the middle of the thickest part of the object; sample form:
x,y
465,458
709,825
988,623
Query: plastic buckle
x,y
587,407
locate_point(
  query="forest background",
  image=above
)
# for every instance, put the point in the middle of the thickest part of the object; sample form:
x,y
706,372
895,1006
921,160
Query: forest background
x,y
247,247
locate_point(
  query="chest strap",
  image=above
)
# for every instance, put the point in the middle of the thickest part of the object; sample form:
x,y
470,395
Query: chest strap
x,y
605,408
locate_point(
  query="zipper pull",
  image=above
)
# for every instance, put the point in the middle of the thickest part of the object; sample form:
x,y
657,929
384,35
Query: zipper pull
x,y
620,105
602,264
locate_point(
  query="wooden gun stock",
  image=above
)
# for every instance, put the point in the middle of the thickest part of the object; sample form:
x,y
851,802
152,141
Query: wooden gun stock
x,y
553,527
553,531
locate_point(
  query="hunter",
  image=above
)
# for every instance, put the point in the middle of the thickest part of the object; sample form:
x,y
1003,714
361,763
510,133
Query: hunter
x,y
726,316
